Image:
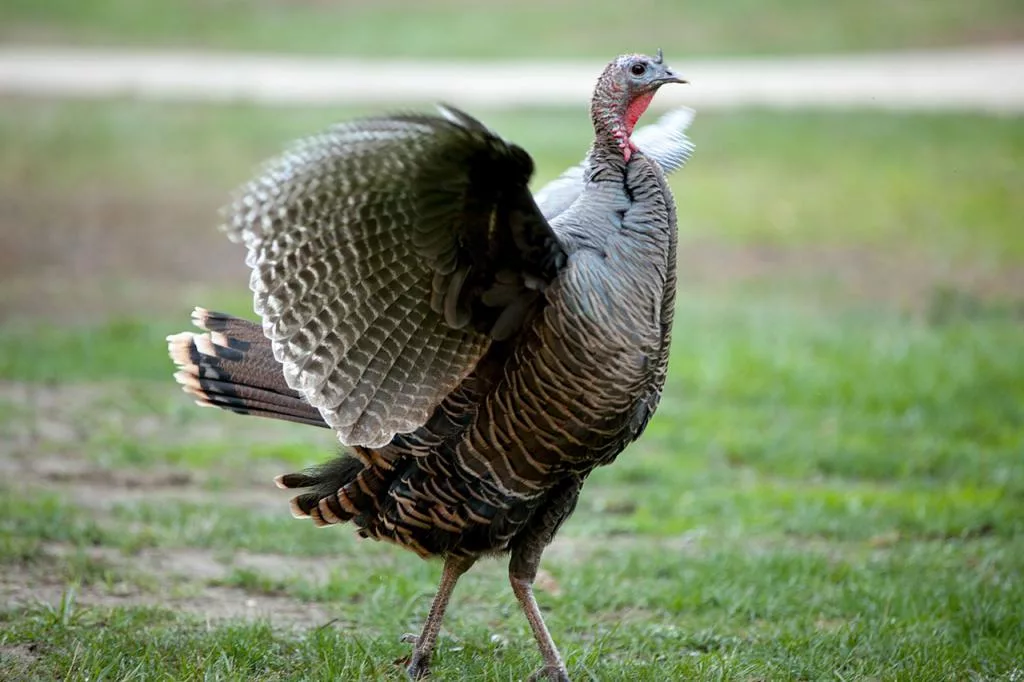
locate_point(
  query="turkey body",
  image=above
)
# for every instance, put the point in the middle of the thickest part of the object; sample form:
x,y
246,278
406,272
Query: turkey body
x,y
479,350
576,387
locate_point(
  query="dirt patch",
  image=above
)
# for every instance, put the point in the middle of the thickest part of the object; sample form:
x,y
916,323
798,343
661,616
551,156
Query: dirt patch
x,y
203,565
57,434
59,418
18,660
21,654
98,489
211,603
67,414
190,573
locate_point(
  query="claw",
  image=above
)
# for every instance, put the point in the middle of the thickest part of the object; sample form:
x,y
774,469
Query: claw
x,y
417,665
418,668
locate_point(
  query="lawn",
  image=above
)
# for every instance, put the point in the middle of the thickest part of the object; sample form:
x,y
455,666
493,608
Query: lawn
x,y
833,487
532,29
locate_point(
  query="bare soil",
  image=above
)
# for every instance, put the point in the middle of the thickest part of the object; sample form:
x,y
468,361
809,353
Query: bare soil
x,y
194,573
57,417
24,586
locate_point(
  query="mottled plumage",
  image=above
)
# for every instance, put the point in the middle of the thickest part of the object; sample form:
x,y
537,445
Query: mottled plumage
x,y
479,353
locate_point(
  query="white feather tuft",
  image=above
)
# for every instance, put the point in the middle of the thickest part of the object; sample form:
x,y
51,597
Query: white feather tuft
x,y
178,347
200,317
204,345
220,339
326,513
296,510
187,379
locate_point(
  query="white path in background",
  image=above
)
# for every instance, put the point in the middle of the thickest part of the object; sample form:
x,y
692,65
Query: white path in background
x,y
976,79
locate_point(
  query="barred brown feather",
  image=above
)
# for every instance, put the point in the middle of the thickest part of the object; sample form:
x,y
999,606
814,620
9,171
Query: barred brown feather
x,y
232,366
370,246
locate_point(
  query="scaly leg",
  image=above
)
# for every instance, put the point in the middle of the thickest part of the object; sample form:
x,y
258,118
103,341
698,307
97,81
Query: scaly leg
x,y
522,570
419,662
554,668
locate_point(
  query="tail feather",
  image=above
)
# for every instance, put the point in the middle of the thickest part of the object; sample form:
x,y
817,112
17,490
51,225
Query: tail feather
x,y
232,366
256,401
328,500
228,330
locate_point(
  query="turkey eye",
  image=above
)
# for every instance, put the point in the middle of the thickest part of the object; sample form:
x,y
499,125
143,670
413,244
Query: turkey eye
x,y
638,69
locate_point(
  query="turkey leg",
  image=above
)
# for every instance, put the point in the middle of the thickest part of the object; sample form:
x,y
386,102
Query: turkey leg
x,y
522,571
419,662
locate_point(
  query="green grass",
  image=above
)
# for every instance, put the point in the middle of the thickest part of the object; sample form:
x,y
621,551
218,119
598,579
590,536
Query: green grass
x,y
726,615
821,492
529,29
833,487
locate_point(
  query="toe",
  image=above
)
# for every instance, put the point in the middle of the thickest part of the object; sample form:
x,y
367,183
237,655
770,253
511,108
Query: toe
x,y
550,673
419,667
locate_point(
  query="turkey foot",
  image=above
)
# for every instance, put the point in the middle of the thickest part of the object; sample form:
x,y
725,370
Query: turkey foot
x,y
554,668
551,674
423,645
419,665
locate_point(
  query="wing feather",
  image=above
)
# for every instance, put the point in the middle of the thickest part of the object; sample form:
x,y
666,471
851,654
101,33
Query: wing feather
x,y
376,248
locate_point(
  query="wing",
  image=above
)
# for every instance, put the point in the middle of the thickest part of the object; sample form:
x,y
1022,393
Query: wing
x,y
665,141
386,255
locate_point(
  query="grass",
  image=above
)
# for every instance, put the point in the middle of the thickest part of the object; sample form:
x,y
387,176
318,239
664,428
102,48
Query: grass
x,y
841,496
832,487
791,615
530,29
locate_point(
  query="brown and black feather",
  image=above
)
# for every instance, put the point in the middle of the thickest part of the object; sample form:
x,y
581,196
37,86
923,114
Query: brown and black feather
x,y
478,361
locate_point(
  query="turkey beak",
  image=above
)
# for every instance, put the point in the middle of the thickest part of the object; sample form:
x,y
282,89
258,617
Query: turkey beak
x,y
670,76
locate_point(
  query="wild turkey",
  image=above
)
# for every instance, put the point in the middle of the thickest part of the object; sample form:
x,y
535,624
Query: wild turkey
x,y
479,355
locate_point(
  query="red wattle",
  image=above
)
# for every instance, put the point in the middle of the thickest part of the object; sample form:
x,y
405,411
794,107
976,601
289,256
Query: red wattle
x,y
636,109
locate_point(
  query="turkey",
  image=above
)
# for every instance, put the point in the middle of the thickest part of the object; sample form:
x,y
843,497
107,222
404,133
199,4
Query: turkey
x,y
477,349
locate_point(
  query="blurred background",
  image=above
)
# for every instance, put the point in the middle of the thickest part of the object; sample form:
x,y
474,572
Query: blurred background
x,y
124,126
847,384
